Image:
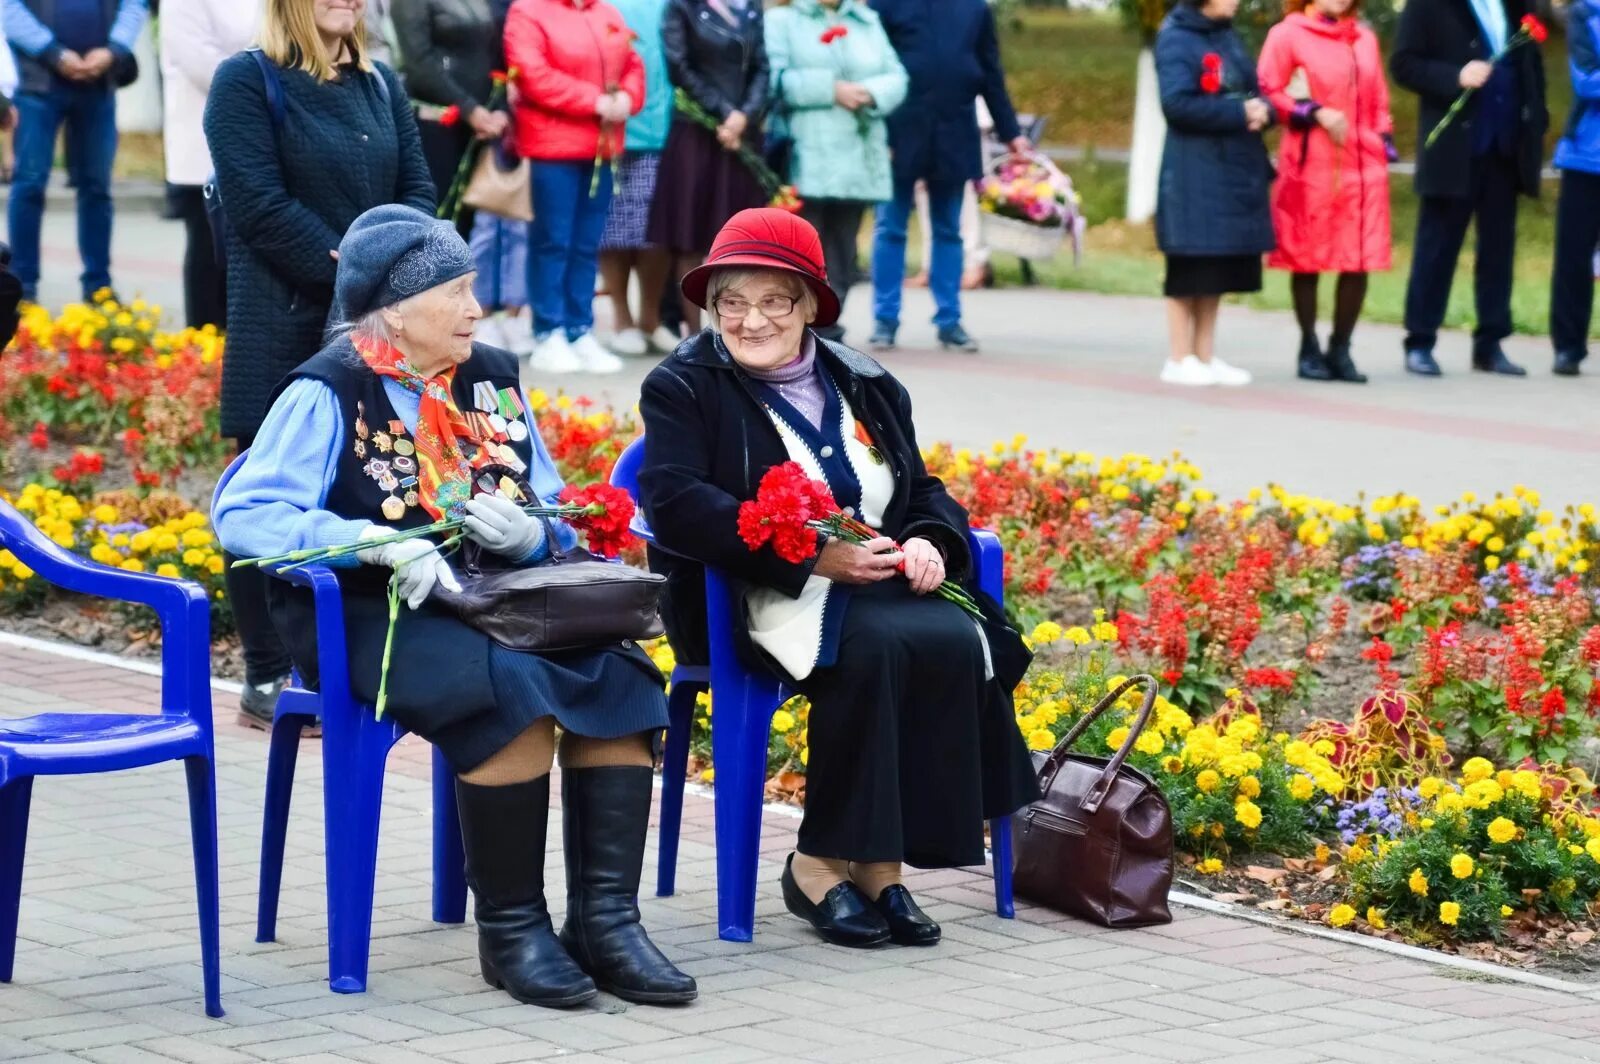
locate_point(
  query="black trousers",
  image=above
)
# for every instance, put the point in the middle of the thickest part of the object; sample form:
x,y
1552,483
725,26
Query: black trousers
x,y
838,222
265,657
1572,286
442,149
205,288
1441,228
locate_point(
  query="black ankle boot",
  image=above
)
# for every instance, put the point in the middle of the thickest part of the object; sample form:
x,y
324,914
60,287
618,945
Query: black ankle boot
x,y
503,833
1342,365
606,814
1313,366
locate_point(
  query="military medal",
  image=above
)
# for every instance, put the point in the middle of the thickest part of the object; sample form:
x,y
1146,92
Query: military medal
x,y
404,447
361,448
382,441
393,508
404,464
517,431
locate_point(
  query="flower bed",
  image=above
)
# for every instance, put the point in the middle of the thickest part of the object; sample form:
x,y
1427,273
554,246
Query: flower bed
x,y
1359,698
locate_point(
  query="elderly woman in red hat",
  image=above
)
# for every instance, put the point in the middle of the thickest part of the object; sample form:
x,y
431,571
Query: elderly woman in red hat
x,y
913,741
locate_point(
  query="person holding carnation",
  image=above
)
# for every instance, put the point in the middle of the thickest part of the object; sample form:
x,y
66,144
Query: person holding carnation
x,y
913,737
1321,70
399,421
1212,216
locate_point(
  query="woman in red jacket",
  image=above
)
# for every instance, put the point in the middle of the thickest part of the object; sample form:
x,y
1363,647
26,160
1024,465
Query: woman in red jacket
x,y
578,81
1320,68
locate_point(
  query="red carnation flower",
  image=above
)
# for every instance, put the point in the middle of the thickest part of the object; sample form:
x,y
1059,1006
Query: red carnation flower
x,y
450,116
1211,61
1211,83
608,512
1535,29
833,33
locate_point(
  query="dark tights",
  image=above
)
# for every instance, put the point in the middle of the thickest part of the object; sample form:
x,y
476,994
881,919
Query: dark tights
x,y
1348,298
266,659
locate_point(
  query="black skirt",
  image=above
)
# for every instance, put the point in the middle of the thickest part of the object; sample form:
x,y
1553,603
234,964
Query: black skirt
x,y
1212,275
911,748
699,186
467,694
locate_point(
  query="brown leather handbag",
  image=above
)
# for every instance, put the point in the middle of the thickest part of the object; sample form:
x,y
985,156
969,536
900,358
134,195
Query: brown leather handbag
x,y
571,601
1098,844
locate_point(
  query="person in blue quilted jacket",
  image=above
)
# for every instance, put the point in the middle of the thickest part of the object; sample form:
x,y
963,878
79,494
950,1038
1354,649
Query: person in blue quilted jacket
x,y
1578,209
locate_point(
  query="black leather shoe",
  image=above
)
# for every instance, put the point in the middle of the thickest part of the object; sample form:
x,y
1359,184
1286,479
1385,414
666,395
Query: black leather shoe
x,y
1566,364
1491,359
605,817
503,833
257,707
1313,366
1342,365
954,337
1421,363
846,916
883,333
908,924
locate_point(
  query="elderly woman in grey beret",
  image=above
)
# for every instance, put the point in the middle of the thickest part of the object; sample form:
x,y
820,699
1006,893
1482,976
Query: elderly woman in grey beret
x,y
399,421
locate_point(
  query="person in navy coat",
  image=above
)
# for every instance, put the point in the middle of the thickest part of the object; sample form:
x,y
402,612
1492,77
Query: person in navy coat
x,y
952,54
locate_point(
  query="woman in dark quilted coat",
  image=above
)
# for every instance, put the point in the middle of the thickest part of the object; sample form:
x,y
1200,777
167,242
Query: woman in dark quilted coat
x,y
303,145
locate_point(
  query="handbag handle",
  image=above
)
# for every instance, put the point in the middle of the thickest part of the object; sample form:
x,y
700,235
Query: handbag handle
x,y
1102,786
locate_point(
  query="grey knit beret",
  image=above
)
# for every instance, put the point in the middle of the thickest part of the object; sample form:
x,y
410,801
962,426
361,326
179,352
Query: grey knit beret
x,y
391,253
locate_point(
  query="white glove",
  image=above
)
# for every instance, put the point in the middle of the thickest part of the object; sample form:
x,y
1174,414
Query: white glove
x,y
416,562
621,106
500,525
602,106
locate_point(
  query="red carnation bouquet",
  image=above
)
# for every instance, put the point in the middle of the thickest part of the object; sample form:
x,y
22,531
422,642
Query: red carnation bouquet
x,y
1529,31
790,509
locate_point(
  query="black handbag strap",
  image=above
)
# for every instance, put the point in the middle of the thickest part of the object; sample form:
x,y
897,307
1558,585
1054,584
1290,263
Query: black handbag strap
x,y
472,550
1102,786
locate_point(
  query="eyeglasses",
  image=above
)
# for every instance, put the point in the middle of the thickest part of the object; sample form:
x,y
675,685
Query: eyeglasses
x,y
773,308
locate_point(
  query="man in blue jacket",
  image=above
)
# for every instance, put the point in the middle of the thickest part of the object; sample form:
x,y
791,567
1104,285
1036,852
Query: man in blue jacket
x,y
71,54
952,54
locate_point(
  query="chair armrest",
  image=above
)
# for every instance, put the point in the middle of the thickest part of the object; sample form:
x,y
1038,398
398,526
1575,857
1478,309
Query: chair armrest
x,y
988,563
333,663
182,606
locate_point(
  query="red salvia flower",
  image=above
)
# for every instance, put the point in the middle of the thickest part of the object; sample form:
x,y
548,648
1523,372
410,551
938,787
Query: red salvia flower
x,y
39,438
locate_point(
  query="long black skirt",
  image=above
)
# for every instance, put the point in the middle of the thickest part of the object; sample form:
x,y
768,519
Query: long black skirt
x,y
1211,275
699,186
911,748
467,694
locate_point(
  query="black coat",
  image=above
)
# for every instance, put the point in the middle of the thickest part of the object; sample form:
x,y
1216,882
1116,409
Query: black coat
x,y
1216,179
952,56
290,194
723,69
448,50
1435,39
708,442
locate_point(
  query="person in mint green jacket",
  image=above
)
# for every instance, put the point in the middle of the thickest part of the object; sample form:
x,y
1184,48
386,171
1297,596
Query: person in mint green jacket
x,y
835,78
623,246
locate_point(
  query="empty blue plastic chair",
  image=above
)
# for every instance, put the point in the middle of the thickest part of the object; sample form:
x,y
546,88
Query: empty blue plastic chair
x,y
745,702
355,751
60,744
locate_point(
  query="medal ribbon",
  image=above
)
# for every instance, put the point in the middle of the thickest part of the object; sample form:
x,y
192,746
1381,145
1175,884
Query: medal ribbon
x,y
448,449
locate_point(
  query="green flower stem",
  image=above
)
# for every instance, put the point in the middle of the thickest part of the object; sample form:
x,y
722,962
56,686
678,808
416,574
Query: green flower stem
x,y
849,530
388,643
757,165
1518,39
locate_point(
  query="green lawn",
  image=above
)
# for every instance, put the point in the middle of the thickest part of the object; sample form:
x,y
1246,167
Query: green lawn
x,y
1079,69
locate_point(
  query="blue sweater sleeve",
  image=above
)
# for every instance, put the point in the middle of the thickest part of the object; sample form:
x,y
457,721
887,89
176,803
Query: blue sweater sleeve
x,y
131,15
275,503
25,32
546,482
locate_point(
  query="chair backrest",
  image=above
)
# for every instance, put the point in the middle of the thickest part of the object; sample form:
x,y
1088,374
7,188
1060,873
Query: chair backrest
x,y
625,475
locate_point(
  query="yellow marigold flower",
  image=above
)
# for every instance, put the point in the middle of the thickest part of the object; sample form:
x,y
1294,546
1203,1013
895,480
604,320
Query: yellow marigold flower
x,y
1375,917
214,565
1247,813
167,569
1418,882
805,756
1209,867
1321,852
1250,787
166,541
1506,910
1301,788
133,565
1117,737
1340,915
1149,742
1207,780
1041,739
1428,788
1490,564
1484,793
708,775
196,537
1079,635
1501,830
1172,765
1449,913
1461,866
782,721
1323,747
1478,768
1045,632
1297,753
1592,847
1105,632
104,513
1527,784
1449,803
194,557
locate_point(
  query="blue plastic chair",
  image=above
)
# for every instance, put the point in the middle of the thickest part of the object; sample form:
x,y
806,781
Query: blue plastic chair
x,y
745,703
60,744
355,750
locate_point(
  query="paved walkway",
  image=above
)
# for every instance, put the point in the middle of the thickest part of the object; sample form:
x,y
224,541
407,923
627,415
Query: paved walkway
x,y
107,968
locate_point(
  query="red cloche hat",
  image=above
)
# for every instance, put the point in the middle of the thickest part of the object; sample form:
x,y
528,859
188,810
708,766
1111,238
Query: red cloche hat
x,y
770,239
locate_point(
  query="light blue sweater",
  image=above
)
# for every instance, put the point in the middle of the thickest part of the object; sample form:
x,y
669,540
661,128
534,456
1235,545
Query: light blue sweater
x,y
275,502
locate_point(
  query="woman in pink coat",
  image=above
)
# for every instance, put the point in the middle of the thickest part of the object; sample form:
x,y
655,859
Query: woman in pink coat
x,y
1320,68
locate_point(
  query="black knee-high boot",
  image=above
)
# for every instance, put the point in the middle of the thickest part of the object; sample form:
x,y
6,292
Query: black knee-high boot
x,y
606,814
503,833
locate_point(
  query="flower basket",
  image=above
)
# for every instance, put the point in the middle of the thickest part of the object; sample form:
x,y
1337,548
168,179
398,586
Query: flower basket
x,y
1028,208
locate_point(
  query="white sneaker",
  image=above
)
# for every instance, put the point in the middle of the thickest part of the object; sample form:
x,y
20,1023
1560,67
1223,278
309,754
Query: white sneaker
x,y
554,355
593,358
1188,371
1228,376
489,333
629,342
664,340
517,331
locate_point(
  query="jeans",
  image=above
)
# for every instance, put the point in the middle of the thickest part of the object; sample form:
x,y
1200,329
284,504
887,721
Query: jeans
x,y
564,245
1572,285
1441,227
90,115
889,252
838,223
